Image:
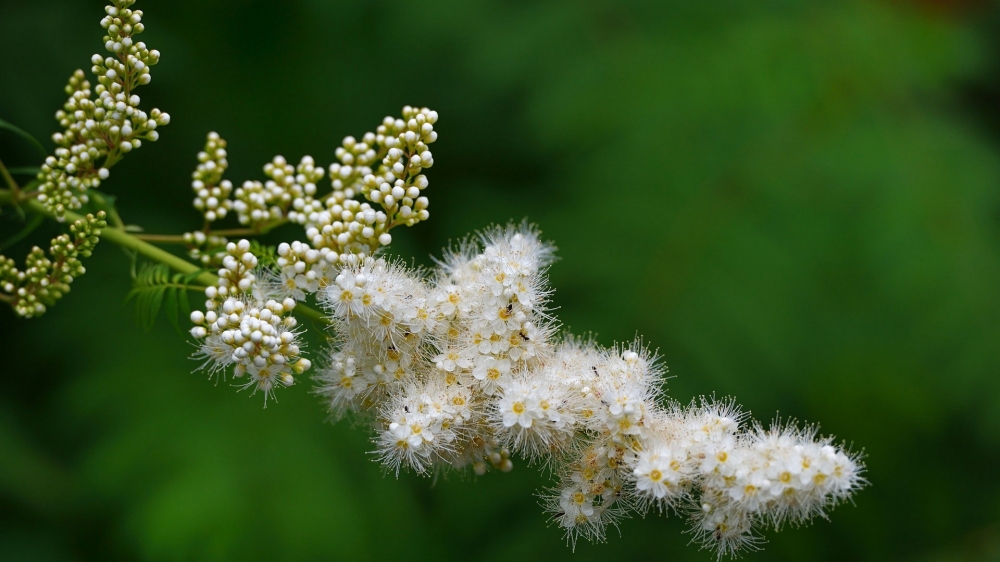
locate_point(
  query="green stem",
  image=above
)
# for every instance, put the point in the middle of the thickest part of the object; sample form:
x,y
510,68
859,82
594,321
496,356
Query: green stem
x,y
179,238
149,251
9,180
162,238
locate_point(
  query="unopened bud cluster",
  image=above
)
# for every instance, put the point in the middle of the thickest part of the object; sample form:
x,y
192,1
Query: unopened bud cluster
x,y
47,277
211,192
376,185
245,328
96,134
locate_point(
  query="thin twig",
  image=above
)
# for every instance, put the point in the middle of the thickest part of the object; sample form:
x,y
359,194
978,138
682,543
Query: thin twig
x,y
162,238
11,184
126,240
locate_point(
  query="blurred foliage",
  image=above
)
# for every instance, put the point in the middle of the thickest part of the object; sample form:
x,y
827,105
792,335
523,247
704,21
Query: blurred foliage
x,y
796,202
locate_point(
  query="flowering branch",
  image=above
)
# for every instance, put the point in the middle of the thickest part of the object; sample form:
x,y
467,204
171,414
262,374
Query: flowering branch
x,y
460,366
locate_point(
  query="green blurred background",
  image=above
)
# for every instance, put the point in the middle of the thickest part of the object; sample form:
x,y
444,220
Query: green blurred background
x,y
797,202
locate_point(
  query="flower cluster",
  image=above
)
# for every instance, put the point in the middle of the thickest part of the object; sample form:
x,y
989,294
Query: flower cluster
x,y
384,168
97,133
47,277
461,367
246,328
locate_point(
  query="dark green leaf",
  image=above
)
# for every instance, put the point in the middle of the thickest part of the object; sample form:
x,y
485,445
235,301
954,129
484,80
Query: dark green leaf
x,y
25,135
156,288
170,304
35,222
24,171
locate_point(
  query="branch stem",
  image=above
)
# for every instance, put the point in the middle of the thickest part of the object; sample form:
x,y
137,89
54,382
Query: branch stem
x,y
162,238
145,249
9,180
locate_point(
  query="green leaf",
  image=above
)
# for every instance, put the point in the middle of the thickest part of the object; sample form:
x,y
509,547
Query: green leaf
x,y
24,171
25,135
267,255
171,305
35,222
155,288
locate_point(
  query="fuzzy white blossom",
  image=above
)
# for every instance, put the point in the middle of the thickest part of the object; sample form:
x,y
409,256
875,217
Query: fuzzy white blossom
x,y
460,367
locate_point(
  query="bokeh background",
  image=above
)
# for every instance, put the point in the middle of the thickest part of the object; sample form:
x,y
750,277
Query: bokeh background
x,y
797,203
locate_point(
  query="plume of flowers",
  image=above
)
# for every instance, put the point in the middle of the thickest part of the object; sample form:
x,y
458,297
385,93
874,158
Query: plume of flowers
x,y
457,367
97,133
464,366
461,366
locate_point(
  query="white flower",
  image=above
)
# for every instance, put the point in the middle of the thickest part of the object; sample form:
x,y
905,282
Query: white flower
x,y
577,505
518,406
451,360
660,470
